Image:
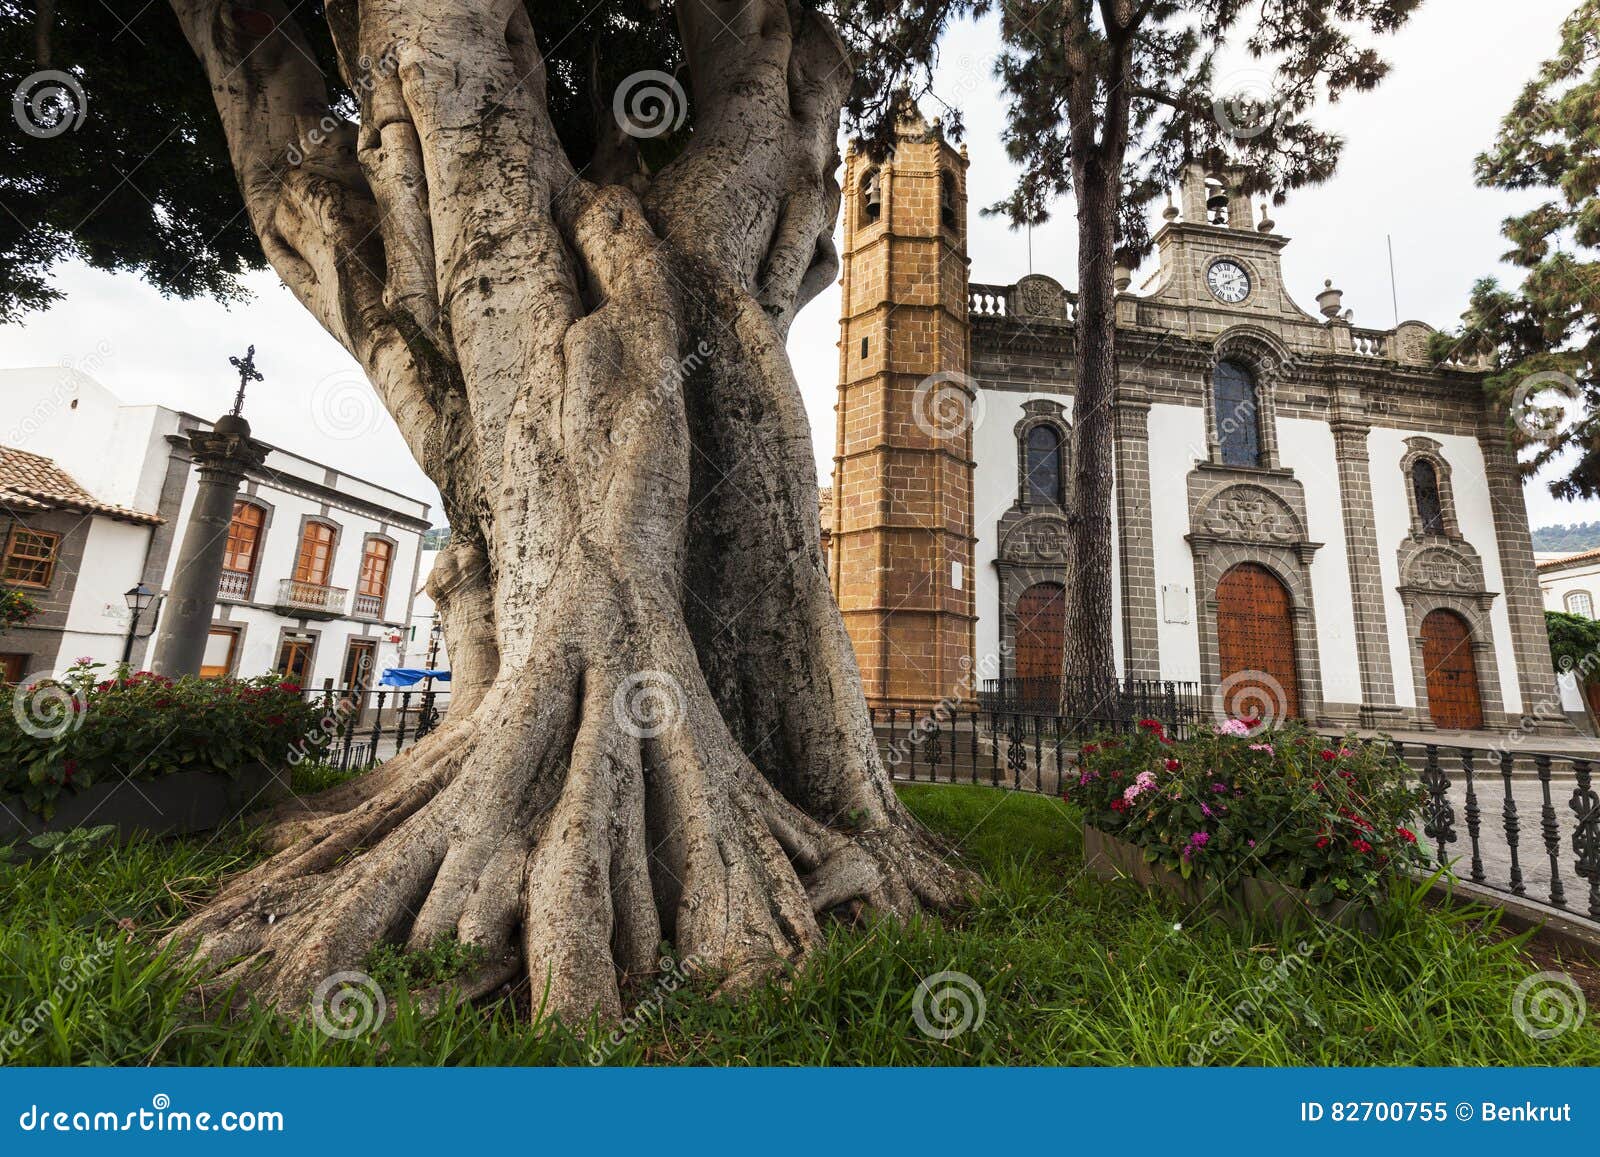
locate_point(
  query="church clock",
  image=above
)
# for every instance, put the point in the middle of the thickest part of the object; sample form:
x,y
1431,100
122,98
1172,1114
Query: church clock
x,y
1228,281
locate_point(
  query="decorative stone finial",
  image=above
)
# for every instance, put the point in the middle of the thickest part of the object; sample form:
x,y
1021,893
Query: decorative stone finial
x,y
1267,223
1329,300
1170,213
1122,277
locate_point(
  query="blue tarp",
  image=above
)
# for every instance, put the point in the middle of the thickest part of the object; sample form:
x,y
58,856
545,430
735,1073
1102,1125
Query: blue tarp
x,y
410,676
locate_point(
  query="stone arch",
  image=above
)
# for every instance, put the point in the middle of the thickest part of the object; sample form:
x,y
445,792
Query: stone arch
x,y
1234,522
1429,450
1437,574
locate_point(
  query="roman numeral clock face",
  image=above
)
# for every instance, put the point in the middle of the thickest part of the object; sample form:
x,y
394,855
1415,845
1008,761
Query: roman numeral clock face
x,y
1228,282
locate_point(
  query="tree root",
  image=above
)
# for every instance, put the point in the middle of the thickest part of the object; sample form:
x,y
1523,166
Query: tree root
x,y
566,843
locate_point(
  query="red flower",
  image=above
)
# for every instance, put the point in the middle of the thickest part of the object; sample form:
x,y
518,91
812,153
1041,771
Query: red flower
x,y
1090,748
1173,765
70,767
1329,756
1361,846
1323,842
1407,835
1119,805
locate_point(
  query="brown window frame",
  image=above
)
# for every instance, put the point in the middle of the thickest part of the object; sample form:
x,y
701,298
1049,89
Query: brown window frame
x,y
302,571
368,556
236,529
48,561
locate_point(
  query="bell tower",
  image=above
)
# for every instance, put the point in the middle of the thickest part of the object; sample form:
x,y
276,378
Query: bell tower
x,y
902,553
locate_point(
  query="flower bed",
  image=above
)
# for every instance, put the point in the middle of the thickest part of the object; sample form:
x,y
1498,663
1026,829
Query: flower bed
x,y
1283,806
89,734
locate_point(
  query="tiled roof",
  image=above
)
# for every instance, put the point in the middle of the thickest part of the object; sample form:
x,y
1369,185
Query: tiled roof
x,y
29,482
1568,560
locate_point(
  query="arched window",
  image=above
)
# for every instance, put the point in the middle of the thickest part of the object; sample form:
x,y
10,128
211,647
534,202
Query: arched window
x,y
947,200
1238,424
1043,477
315,562
1425,485
871,197
1579,603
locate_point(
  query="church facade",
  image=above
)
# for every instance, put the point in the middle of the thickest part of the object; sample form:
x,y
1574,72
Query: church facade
x,y
1312,519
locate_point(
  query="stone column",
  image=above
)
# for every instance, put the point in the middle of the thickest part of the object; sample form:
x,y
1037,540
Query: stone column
x,y
222,456
1378,706
1530,641
1136,538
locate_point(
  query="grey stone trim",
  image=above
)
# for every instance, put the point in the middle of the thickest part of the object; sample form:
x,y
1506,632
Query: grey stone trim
x,y
1141,633
1536,678
1366,581
1238,515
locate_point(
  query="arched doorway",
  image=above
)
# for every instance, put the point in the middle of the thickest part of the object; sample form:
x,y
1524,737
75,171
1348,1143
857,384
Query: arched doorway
x,y
1041,626
1255,644
1453,700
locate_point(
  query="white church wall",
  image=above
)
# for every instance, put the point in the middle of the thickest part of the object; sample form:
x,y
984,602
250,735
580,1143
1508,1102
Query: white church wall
x,y
1177,439
1392,523
1475,516
994,489
1307,447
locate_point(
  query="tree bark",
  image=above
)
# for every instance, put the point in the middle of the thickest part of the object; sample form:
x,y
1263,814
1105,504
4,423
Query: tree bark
x,y
658,731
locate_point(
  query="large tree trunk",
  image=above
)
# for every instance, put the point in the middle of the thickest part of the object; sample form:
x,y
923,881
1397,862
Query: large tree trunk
x,y
658,732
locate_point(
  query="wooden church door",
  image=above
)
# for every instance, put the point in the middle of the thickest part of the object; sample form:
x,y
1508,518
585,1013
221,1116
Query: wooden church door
x,y
1453,700
1041,641
1255,633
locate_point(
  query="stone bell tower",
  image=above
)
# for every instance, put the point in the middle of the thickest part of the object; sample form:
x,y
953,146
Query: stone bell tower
x,y
902,554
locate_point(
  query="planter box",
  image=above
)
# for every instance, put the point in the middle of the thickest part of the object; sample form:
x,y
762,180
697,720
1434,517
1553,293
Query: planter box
x,y
173,805
1108,858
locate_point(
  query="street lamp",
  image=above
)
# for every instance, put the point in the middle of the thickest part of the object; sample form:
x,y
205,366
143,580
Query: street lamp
x,y
138,600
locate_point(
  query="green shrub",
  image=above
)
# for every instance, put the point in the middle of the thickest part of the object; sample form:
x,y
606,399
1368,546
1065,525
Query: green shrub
x,y
1334,819
70,733
16,607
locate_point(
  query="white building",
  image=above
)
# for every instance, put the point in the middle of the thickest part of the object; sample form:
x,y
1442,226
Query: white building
x,y
321,567
1309,518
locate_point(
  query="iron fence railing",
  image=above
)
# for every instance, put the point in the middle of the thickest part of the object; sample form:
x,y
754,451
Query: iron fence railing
x,y
1532,819
1092,704
369,724
313,597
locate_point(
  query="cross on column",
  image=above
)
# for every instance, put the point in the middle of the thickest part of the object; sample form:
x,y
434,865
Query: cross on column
x,y
247,374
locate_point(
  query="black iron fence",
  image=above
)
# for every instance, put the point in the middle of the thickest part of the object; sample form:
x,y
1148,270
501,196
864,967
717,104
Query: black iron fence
x,y
1532,820
368,724
1089,705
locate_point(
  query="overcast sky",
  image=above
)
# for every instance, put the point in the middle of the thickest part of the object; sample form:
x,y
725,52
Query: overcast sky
x,y
1406,172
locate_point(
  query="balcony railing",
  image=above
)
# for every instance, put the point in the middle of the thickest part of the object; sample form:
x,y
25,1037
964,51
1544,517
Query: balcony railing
x,y
369,607
311,598
234,587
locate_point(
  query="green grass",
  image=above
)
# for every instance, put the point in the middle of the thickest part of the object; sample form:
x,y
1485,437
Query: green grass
x,y
1073,971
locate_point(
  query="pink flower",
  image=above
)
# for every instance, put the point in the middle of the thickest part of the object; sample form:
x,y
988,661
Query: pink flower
x,y
1266,747
84,660
1234,727
1145,781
